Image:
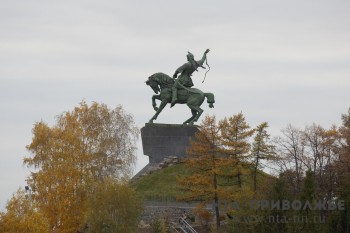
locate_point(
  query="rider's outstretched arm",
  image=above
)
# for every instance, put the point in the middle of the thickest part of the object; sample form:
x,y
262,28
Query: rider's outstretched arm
x,y
201,61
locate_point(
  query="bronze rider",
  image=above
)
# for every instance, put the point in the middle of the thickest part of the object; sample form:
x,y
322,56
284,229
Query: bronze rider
x,y
186,71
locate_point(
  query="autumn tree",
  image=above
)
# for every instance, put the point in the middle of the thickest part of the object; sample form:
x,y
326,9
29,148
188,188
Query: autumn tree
x,y
314,148
344,148
113,207
158,225
340,221
262,149
22,216
235,133
291,147
207,164
312,135
321,148
87,144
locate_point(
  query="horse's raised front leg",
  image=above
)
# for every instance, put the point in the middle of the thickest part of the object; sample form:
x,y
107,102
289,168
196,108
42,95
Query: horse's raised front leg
x,y
154,104
161,106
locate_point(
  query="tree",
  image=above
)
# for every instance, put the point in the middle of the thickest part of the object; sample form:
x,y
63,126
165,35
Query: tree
x,y
261,149
291,147
208,164
280,192
22,216
158,225
320,154
235,135
308,194
85,145
340,220
114,207
344,150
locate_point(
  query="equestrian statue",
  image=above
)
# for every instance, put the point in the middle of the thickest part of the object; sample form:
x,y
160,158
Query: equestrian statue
x,y
178,90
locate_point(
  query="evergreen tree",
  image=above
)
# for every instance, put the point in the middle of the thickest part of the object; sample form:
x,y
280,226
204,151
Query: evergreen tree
x,y
280,192
343,222
308,195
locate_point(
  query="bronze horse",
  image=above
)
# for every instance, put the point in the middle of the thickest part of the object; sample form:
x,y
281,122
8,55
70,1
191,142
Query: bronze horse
x,y
193,97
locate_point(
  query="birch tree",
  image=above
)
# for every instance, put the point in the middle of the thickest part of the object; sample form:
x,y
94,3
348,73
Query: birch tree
x,y
85,145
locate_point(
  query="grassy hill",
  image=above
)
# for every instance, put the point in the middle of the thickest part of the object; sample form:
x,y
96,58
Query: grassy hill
x,y
161,184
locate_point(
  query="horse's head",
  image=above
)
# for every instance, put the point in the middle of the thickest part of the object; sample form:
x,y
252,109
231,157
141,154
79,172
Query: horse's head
x,y
153,84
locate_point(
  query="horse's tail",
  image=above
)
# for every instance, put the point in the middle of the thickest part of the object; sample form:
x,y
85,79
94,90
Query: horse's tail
x,y
210,99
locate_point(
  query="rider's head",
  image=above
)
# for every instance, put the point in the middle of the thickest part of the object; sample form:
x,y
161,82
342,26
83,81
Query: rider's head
x,y
190,57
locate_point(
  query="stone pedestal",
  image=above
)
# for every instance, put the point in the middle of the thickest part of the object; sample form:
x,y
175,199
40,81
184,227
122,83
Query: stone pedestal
x,y
164,140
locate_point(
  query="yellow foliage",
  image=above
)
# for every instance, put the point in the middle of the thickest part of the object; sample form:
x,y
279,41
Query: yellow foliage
x,y
113,206
206,162
85,145
218,154
235,133
203,214
22,216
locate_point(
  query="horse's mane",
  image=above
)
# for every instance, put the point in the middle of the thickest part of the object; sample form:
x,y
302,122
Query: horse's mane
x,y
161,75
163,79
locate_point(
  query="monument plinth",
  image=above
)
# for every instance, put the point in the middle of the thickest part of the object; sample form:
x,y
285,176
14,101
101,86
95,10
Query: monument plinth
x,y
163,140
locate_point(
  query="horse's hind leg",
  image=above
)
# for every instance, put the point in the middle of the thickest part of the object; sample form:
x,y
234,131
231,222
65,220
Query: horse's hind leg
x,y
199,112
194,113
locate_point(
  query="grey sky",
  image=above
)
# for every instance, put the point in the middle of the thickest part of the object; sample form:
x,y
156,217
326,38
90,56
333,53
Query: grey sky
x,y
277,61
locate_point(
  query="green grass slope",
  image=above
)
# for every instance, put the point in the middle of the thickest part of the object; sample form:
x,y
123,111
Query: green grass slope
x,y
161,185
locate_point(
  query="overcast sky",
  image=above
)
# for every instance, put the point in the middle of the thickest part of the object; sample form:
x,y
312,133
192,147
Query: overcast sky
x,y
280,61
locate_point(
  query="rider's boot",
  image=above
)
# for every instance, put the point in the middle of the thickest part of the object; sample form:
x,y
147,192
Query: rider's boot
x,y
174,97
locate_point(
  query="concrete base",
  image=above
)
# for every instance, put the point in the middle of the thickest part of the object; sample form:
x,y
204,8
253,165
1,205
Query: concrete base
x,y
163,140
